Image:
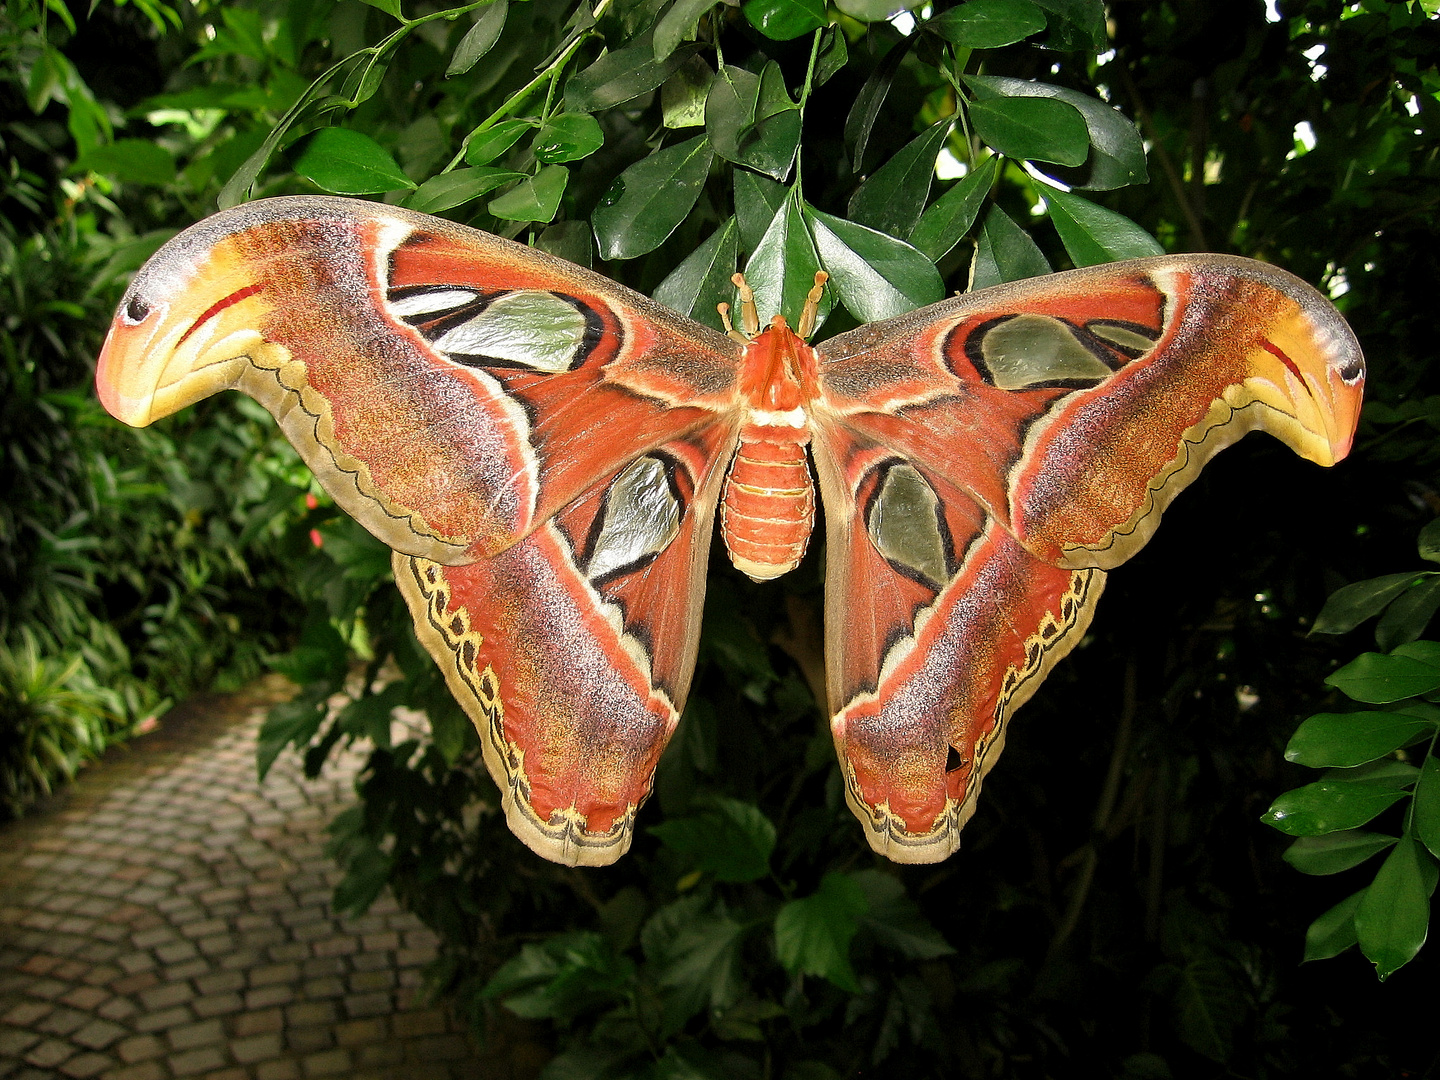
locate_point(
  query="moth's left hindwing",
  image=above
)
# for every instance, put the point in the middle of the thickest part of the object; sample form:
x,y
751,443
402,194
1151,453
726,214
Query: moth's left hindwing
x,y
542,448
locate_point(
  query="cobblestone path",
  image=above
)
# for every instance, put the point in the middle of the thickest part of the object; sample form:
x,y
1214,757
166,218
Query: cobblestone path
x,y
170,918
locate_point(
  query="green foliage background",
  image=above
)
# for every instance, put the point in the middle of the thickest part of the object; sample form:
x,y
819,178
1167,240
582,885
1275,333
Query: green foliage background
x,y
1116,902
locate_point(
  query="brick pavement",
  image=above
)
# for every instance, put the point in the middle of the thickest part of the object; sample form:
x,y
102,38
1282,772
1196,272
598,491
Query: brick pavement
x,y
168,917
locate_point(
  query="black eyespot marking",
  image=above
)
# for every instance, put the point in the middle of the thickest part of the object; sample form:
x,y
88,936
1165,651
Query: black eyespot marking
x,y
136,311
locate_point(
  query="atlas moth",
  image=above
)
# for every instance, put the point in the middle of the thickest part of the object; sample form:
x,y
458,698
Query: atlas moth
x,y
546,452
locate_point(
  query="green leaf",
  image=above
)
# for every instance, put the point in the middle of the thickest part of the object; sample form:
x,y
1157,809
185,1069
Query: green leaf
x,y
949,218
1393,918
291,722
702,281
988,24
1333,932
696,955
479,39
568,240
1425,821
1094,235
782,268
813,935
895,920
130,161
621,76
1335,852
1032,129
677,24
1328,806
1377,679
757,198
568,137
536,198
872,11
752,121
1345,739
390,7
562,977
726,837
876,276
782,20
489,144
349,162
449,190
1075,25
860,121
682,98
834,55
648,200
1117,153
1004,252
1209,1006
891,200
1429,542
1347,608
1409,614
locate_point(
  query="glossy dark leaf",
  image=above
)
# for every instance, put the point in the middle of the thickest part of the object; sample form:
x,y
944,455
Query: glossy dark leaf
x,y
646,202
1334,852
782,20
449,190
834,53
860,121
479,39
876,276
702,281
1075,25
1032,129
1409,613
1426,819
568,137
783,265
536,198
621,76
676,25
988,24
695,955
1117,153
892,199
1004,252
1333,932
757,198
813,935
950,217
349,162
1393,918
1377,678
1093,235
1347,608
492,142
1328,806
568,240
752,121
1345,739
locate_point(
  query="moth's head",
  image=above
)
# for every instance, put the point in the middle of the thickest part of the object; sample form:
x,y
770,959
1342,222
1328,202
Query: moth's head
x,y
187,323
